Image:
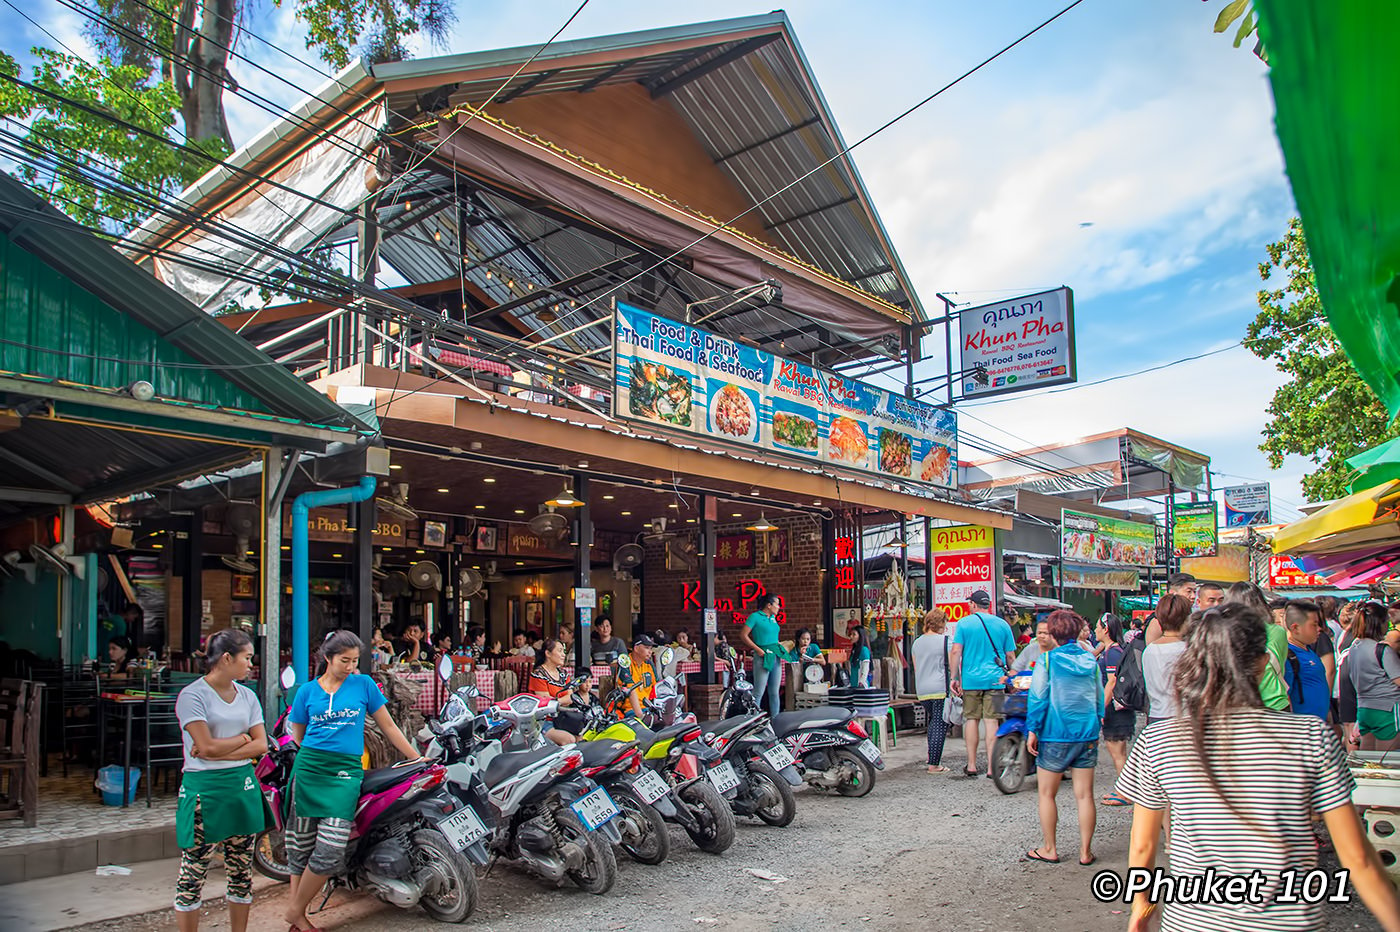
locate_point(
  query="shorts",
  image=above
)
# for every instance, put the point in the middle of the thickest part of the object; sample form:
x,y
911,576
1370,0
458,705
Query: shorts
x,y
1119,724
982,703
1059,756
1384,724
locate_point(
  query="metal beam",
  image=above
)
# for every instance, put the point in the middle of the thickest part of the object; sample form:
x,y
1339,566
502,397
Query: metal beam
x,y
40,472
612,72
571,282
527,87
714,64
809,213
34,496
810,121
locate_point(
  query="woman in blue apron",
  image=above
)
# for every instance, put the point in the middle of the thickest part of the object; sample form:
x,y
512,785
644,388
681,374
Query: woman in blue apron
x,y
221,723
327,720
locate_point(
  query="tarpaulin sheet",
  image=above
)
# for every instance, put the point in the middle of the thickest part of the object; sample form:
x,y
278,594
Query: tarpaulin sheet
x,y
1336,82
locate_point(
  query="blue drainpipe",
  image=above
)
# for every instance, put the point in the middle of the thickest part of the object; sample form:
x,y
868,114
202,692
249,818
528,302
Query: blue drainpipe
x,y
301,560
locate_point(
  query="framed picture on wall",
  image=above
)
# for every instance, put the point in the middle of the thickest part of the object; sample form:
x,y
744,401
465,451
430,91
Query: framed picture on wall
x,y
534,616
486,539
243,586
434,533
775,545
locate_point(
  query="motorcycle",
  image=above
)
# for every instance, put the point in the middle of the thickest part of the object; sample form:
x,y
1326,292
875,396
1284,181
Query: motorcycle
x,y
761,771
831,749
547,815
1010,761
409,839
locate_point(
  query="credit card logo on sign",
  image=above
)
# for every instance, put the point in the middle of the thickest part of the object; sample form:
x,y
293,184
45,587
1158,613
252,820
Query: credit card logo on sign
x,y
998,381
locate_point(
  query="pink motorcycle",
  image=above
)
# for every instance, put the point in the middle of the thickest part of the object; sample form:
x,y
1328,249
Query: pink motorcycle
x,y
411,840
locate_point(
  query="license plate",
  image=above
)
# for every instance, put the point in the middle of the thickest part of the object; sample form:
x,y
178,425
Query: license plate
x,y
463,828
595,809
778,757
869,751
650,787
724,778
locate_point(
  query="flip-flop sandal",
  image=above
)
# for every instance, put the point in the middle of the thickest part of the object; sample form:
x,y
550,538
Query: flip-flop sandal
x,y
1113,799
1031,855
1092,859
937,768
972,774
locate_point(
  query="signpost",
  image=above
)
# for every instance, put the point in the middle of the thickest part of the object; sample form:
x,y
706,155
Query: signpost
x,y
1023,343
1247,505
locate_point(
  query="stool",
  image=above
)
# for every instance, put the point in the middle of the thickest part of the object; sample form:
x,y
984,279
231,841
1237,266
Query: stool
x,y
881,735
1383,831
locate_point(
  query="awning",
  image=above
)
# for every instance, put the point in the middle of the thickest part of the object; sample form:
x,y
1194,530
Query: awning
x,y
1359,520
1379,464
1032,601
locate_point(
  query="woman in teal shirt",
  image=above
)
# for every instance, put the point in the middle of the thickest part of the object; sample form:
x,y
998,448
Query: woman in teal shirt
x,y
860,657
760,634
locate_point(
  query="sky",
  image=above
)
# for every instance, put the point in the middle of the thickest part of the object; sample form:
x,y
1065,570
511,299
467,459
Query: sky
x,y
1125,150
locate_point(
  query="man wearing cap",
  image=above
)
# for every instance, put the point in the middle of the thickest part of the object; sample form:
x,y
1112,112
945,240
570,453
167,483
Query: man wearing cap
x,y
983,647
635,669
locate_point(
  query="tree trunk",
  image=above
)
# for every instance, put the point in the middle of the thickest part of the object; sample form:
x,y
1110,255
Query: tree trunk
x,y
202,94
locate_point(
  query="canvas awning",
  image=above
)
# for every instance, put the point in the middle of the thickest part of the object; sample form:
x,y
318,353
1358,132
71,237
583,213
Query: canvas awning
x,y
1360,521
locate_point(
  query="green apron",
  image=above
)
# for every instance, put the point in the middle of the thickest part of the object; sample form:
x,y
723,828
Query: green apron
x,y
325,784
232,804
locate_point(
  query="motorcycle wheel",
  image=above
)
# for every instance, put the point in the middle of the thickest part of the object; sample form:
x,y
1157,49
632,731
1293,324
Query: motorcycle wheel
x,y
458,901
270,856
766,782
599,871
654,846
863,781
1008,762
712,811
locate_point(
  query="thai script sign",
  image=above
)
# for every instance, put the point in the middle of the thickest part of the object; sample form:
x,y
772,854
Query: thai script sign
x,y
1023,343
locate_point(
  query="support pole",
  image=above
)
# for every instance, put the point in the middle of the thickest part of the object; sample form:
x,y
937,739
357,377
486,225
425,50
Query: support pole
x,y
828,583
301,559
905,623
192,594
276,477
708,510
362,576
583,574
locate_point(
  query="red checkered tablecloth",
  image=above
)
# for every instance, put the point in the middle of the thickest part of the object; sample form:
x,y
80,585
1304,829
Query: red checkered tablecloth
x,y
455,359
431,698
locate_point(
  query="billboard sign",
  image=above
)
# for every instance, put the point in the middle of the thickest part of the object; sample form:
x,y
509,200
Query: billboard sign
x,y
1247,505
1194,529
963,558
670,373
1285,574
1023,343
1086,538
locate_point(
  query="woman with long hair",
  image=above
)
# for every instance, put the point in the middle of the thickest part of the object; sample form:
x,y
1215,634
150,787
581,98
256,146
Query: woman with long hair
x,y
1118,723
221,725
859,662
1372,669
1206,764
549,680
1159,659
327,719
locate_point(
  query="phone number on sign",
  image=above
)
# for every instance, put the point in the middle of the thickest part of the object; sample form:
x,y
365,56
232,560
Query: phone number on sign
x,y
1315,886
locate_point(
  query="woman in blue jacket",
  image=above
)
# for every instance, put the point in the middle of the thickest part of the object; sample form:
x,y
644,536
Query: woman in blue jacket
x,y
1064,711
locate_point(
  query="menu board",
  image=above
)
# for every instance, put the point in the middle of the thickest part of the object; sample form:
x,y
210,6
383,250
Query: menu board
x,y
1086,538
1194,531
680,376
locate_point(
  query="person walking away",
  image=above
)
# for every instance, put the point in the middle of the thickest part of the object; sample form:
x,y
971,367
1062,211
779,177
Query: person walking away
x,y
1064,711
635,669
1343,690
858,664
327,720
1206,764
1160,657
761,634
981,659
220,803
1304,675
1182,584
1118,722
1373,669
931,680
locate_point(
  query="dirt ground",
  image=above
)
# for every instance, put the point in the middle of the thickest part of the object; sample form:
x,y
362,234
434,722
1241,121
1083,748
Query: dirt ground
x,y
920,852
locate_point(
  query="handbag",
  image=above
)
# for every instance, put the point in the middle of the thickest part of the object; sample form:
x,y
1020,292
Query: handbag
x,y
952,705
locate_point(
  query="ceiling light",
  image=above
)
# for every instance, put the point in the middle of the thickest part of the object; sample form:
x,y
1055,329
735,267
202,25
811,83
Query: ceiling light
x,y
437,236
816,501
395,466
520,511
608,498
488,273
479,507
738,514
407,206
689,520
444,491
674,505
762,525
565,499
896,542
753,491
519,562
286,547
420,551
157,546
386,549
583,464
336,556
626,513
251,553
488,479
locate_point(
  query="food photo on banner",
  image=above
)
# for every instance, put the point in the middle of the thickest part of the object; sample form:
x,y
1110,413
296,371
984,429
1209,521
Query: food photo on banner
x,y
1247,505
1021,343
670,373
1086,538
1194,531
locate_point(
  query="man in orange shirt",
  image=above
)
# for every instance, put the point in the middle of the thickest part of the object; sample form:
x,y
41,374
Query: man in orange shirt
x,y
635,670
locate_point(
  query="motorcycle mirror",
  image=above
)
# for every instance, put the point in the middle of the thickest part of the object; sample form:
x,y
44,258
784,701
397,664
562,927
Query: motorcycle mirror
x,y
444,668
289,677
667,655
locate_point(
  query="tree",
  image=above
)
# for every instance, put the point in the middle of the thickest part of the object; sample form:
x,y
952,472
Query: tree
x,y
1243,11
1325,412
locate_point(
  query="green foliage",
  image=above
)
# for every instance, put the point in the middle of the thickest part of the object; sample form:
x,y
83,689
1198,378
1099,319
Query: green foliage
x,y
338,29
1243,11
69,146
1325,412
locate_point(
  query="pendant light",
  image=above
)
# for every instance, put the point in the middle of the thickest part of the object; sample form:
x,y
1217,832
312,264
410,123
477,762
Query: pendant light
x,y
895,542
565,499
762,525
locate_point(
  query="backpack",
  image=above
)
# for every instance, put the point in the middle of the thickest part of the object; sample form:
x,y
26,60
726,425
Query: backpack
x,y
1130,690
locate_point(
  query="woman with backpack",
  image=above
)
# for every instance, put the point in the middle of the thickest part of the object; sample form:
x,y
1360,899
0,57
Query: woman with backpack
x,y
1373,669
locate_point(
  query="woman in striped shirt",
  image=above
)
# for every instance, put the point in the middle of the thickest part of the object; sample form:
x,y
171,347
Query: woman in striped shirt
x,y
1243,781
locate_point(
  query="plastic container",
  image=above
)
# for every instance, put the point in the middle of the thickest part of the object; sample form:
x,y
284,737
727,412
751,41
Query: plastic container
x,y
109,784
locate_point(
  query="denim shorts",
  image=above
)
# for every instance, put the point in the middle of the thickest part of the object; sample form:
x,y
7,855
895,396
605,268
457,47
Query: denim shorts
x,y
1059,756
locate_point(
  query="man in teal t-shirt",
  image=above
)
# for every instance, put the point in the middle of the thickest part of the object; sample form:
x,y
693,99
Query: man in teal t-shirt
x,y
983,647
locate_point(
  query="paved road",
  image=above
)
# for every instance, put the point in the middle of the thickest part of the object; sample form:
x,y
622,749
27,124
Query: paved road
x,y
921,852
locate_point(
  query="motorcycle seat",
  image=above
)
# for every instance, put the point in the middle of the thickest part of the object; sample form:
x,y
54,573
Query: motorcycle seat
x,y
602,752
728,724
785,723
380,779
672,731
503,765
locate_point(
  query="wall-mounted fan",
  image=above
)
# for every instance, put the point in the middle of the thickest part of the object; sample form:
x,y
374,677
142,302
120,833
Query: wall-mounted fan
x,y
51,559
10,565
548,526
469,582
627,558
375,569
425,575
394,585
396,505
241,519
493,575
683,551
656,530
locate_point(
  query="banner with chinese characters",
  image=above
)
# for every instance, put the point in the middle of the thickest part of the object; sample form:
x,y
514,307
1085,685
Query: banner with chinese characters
x,y
734,551
963,562
689,379
1194,529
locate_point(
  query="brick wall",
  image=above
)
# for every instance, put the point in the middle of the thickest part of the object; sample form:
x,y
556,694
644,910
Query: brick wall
x,y
799,582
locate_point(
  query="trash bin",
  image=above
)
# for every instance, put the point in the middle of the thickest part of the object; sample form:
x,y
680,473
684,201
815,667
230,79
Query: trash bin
x,y
109,784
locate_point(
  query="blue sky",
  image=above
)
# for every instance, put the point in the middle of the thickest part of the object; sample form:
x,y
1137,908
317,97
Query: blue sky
x,y
1128,115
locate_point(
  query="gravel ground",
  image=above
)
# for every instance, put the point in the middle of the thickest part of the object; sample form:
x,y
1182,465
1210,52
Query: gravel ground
x,y
920,852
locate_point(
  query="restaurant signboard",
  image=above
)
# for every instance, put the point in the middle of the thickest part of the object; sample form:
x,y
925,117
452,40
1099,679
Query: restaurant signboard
x,y
963,557
1020,344
1194,529
1086,538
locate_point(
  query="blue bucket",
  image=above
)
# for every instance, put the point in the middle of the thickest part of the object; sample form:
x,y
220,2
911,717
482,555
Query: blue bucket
x,y
109,784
